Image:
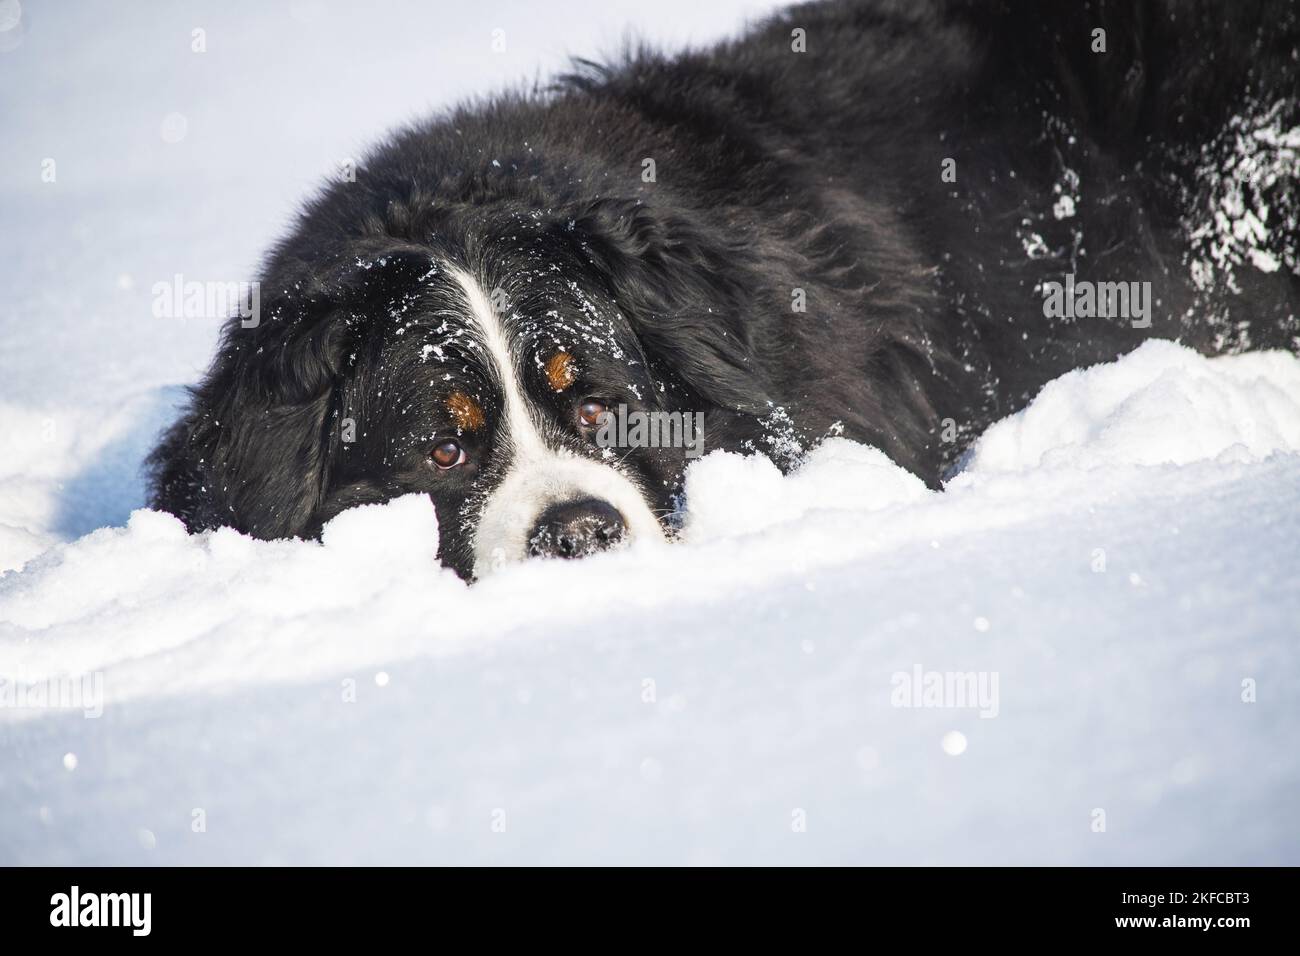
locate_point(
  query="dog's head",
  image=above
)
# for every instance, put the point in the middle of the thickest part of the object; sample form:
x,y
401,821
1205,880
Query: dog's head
x,y
544,379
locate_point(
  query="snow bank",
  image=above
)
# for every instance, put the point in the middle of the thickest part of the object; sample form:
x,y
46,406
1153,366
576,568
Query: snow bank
x,y
1163,404
1119,560
68,469
731,495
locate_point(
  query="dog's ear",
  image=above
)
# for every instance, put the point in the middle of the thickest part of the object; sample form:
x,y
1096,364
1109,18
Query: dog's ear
x,y
250,451
253,449
687,291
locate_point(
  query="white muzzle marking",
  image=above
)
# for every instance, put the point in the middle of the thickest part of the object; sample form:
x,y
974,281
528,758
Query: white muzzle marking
x,y
537,475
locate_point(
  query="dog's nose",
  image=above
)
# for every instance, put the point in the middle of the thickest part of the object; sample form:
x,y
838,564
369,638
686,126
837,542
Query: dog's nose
x,y
573,529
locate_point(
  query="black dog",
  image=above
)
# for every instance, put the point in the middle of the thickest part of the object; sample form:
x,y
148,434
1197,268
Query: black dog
x,y
891,221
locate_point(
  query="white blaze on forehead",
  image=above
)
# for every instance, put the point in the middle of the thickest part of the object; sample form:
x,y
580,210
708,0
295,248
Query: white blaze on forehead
x,y
536,475
520,429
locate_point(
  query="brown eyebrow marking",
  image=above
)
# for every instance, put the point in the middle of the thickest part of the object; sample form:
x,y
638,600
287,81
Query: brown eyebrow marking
x,y
560,371
465,411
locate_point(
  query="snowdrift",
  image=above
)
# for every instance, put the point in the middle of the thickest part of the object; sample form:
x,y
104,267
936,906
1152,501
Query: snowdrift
x,y
805,678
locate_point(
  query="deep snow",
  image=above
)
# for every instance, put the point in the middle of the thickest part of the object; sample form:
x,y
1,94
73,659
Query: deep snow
x,y
1121,557
1120,562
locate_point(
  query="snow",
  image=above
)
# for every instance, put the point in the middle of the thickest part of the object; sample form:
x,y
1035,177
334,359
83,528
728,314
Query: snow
x,y
1161,405
1118,563
1116,569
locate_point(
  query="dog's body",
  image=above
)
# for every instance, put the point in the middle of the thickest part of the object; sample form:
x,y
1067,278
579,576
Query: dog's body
x,y
844,223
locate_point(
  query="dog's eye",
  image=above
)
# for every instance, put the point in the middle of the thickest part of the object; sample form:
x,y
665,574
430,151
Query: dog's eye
x,y
590,410
447,454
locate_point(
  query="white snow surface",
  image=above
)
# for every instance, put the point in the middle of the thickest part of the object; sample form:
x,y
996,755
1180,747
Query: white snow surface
x,y
1120,561
1122,555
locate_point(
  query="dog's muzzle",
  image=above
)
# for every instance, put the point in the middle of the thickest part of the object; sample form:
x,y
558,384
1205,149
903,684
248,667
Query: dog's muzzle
x,y
573,529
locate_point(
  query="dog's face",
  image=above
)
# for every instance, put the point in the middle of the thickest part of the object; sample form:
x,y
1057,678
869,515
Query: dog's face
x,y
488,392
494,368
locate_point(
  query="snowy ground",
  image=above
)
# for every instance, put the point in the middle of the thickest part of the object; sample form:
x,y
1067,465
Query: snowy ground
x,y
1117,568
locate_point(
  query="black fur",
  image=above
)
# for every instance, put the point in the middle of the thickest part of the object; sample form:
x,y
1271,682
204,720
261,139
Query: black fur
x,y
776,171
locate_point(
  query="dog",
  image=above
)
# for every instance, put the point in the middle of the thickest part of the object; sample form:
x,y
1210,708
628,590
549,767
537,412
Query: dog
x,y
853,220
